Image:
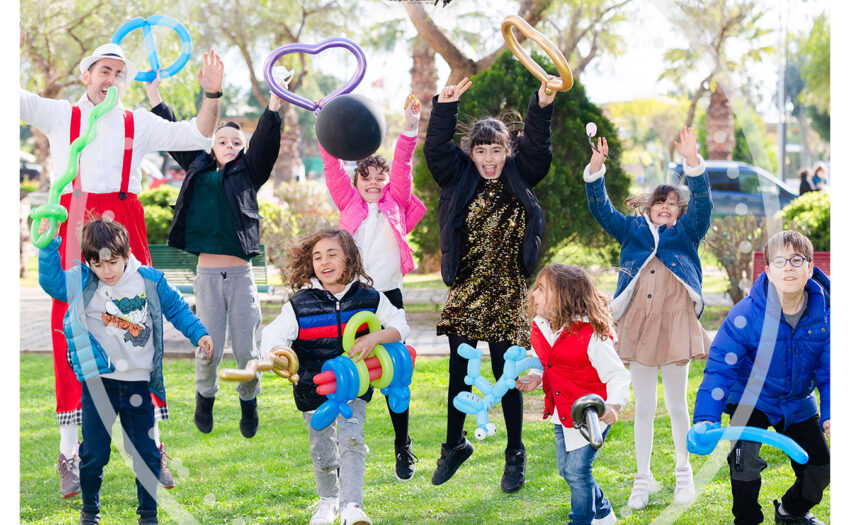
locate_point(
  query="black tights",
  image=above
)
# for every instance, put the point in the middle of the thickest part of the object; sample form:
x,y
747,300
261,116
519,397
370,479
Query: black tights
x,y
511,401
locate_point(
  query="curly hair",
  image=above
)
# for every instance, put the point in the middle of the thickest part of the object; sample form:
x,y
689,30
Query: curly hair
x,y
505,129
300,264
362,168
572,295
641,203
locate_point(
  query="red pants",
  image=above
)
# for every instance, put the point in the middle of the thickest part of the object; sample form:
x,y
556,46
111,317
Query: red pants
x,y
128,212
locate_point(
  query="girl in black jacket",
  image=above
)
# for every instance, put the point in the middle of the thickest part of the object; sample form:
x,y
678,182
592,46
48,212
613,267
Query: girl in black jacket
x,y
491,229
217,218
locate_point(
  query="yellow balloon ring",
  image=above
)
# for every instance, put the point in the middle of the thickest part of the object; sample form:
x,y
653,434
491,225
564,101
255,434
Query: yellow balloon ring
x,y
566,81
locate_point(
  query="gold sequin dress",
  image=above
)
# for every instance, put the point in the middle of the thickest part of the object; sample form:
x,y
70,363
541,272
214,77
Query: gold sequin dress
x,y
486,300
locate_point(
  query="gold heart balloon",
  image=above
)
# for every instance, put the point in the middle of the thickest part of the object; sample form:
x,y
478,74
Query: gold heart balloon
x,y
565,83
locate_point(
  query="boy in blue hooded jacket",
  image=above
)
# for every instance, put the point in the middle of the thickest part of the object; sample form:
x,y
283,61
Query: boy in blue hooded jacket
x,y
114,331
764,364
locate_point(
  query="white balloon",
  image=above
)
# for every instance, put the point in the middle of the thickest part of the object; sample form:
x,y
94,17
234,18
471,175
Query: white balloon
x,y
591,129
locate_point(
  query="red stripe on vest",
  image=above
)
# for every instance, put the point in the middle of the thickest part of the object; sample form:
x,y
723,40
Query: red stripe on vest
x,y
129,133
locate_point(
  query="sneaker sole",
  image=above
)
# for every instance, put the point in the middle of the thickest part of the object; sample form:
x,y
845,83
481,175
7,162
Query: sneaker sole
x,y
403,480
71,494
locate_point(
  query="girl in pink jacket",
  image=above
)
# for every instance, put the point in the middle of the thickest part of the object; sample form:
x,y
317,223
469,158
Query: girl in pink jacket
x,y
379,209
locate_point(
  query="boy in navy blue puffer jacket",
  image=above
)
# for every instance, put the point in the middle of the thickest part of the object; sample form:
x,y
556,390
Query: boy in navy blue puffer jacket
x,y
764,364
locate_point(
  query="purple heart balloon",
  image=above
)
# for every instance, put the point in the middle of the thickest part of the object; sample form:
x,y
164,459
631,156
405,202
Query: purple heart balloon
x,y
313,50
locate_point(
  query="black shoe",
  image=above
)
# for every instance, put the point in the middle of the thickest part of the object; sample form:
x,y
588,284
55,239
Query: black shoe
x,y
89,518
450,460
405,461
203,413
250,419
148,519
782,517
514,477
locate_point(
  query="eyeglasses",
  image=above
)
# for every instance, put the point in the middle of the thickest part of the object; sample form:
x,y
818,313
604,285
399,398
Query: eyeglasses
x,y
779,261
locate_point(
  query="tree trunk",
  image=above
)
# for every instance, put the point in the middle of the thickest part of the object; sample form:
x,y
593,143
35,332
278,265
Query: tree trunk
x,y
290,140
423,76
720,126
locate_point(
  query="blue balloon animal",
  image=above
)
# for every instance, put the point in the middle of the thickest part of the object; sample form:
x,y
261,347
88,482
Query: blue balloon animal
x,y
703,439
516,362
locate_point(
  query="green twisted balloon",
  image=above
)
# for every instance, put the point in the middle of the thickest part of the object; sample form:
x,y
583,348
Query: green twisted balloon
x,y
54,212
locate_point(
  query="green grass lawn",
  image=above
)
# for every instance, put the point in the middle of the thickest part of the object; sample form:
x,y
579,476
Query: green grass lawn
x,y
224,478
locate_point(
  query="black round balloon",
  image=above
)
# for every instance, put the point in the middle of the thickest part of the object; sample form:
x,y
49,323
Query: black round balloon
x,y
351,127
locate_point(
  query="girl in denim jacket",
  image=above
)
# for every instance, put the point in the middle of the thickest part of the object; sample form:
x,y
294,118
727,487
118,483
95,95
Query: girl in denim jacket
x,y
658,301
378,208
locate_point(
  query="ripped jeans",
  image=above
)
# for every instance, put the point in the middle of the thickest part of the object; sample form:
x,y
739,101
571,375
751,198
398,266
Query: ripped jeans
x,y
339,455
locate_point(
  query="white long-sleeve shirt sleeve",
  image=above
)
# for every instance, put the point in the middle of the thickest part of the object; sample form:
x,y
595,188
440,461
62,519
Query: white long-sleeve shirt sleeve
x,y
280,332
611,371
392,317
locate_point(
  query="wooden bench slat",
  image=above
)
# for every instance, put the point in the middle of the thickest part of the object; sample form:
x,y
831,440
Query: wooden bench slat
x,y
180,267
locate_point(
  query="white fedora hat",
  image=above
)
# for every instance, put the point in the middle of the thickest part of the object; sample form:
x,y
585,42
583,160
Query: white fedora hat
x,y
109,50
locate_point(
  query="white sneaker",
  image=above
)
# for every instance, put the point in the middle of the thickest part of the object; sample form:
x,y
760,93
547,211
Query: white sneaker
x,y
610,519
352,514
326,511
685,492
643,487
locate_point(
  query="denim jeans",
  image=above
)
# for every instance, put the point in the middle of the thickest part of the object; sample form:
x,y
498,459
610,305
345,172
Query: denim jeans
x,y
339,453
587,501
103,400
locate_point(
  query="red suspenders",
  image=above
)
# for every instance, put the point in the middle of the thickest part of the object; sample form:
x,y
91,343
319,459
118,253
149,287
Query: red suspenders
x,y
128,148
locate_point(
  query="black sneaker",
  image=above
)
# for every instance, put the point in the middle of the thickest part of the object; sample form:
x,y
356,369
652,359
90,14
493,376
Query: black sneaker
x,y
405,461
514,477
89,518
250,419
450,460
203,413
148,519
783,517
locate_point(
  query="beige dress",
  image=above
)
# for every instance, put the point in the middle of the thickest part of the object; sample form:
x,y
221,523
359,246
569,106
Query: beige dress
x,y
659,325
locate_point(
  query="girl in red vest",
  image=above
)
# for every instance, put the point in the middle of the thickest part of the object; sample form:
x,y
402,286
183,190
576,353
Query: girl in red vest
x,y
572,335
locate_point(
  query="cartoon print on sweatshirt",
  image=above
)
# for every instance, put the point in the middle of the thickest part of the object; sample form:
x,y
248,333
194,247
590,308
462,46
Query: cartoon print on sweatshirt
x,y
128,315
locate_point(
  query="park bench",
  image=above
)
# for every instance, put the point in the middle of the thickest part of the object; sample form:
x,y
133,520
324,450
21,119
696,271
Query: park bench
x,y
821,260
180,267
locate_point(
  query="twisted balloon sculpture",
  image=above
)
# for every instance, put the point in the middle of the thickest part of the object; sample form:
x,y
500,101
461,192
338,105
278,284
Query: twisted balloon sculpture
x,y
282,361
702,439
54,212
515,363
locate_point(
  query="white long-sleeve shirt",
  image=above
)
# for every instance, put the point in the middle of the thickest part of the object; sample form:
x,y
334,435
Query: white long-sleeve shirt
x,y
611,372
284,329
102,160
379,250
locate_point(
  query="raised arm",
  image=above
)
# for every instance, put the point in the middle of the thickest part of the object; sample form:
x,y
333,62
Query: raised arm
x,y
161,110
401,175
698,217
264,146
444,159
210,78
534,148
609,217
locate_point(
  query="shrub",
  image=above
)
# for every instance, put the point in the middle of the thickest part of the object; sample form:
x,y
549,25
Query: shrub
x,y
810,214
733,239
159,213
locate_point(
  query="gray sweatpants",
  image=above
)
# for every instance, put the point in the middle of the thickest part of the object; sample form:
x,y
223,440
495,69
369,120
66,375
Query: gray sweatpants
x,y
227,297
340,445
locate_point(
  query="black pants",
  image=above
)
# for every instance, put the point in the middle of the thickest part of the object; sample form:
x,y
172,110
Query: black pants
x,y
745,468
400,421
511,401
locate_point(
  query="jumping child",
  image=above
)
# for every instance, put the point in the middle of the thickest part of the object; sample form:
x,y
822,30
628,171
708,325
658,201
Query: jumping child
x,y
491,229
326,271
572,335
379,209
658,301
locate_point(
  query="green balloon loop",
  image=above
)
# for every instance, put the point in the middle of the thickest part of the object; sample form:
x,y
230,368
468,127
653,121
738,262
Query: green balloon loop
x,y
54,212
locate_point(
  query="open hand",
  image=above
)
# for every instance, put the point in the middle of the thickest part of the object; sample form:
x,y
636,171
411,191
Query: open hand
x,y
412,109
211,72
152,88
362,347
452,93
205,344
599,154
274,102
687,146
